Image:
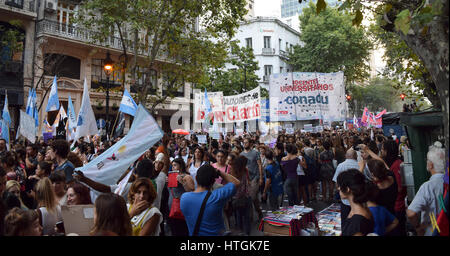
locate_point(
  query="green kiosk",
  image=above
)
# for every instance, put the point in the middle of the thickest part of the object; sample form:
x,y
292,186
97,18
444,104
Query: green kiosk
x,y
422,130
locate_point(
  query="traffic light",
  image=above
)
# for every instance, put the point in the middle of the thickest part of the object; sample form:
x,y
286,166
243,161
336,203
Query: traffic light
x,y
349,97
402,96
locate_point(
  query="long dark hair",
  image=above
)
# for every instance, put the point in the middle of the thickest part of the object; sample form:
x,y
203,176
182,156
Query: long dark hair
x,y
239,166
181,163
355,181
112,215
82,191
391,149
378,169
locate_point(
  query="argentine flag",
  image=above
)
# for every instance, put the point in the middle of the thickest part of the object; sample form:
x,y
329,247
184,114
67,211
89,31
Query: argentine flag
x,y
86,124
6,121
71,114
108,167
53,100
32,106
127,105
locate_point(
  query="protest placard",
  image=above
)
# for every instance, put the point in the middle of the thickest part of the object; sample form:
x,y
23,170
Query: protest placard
x,y
27,126
78,219
201,139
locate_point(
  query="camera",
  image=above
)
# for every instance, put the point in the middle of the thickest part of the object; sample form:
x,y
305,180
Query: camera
x,y
356,148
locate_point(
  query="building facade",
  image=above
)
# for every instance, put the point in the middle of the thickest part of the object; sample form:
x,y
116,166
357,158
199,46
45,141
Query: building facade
x,y
271,41
55,46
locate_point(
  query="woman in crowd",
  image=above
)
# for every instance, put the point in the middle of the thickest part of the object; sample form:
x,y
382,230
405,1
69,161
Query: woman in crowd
x,y
352,186
384,221
20,222
301,175
220,164
111,217
13,187
327,172
13,171
59,186
338,149
78,193
41,155
241,202
180,181
274,181
290,163
390,155
43,170
145,217
386,183
196,162
211,223
49,209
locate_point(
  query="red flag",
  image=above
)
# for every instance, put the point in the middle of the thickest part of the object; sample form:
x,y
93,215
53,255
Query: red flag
x,y
365,115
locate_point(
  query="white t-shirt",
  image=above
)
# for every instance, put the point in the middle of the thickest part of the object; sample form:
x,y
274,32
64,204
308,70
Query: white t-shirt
x,y
49,220
145,216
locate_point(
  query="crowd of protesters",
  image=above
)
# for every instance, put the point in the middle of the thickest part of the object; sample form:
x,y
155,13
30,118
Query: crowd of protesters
x,y
180,187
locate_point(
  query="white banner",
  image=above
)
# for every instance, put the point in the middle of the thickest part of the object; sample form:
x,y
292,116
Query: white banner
x,y
229,109
243,107
27,126
216,101
307,96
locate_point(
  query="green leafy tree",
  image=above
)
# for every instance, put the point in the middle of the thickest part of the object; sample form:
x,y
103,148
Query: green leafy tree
x,y
376,95
405,66
423,26
332,44
236,80
162,35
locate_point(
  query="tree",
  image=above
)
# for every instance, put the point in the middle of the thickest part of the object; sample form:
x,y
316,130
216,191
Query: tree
x,y
331,44
237,80
376,95
423,26
404,65
162,35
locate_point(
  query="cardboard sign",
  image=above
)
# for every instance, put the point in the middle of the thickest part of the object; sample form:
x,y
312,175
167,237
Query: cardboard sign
x,y
78,219
319,128
201,139
290,130
215,135
27,126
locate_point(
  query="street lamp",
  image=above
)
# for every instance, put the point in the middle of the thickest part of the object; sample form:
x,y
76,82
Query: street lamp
x,y
108,68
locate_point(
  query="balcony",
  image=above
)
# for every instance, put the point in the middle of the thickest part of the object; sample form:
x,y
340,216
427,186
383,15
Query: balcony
x,y
24,7
268,51
284,55
86,36
11,74
266,79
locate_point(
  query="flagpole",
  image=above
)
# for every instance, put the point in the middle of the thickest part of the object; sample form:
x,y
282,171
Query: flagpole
x,y
112,130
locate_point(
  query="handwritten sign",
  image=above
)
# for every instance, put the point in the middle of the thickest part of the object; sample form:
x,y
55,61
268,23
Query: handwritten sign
x,y
27,126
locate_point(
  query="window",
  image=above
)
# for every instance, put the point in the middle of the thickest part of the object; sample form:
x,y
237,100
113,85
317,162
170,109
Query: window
x,y
279,43
147,77
267,42
291,48
65,16
169,82
287,47
62,66
281,69
267,70
248,42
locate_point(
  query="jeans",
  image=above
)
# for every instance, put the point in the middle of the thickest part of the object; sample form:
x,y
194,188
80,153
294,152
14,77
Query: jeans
x,y
242,216
274,201
291,187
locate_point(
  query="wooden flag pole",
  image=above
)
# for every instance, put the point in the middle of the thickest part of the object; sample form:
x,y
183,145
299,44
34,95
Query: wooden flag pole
x,y
112,130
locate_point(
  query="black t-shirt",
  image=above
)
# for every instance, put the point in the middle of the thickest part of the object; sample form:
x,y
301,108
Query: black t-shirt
x,y
387,197
357,224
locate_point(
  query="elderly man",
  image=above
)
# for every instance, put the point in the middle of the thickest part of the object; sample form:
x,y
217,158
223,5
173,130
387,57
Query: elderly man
x,y
426,201
350,163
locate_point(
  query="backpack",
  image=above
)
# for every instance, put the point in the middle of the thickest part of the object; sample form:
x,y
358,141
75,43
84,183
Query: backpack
x,y
310,165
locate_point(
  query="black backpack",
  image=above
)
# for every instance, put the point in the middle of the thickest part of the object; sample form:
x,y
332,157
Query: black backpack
x,y
310,165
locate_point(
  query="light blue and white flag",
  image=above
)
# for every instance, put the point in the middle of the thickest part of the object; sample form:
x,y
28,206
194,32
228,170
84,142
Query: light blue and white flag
x,y
32,106
71,114
86,124
5,114
127,105
53,100
110,165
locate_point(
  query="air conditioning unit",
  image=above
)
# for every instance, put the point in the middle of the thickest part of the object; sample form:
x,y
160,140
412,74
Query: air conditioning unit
x,y
50,5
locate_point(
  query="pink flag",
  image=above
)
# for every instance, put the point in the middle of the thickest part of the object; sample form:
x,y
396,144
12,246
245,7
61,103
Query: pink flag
x,y
380,114
365,115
